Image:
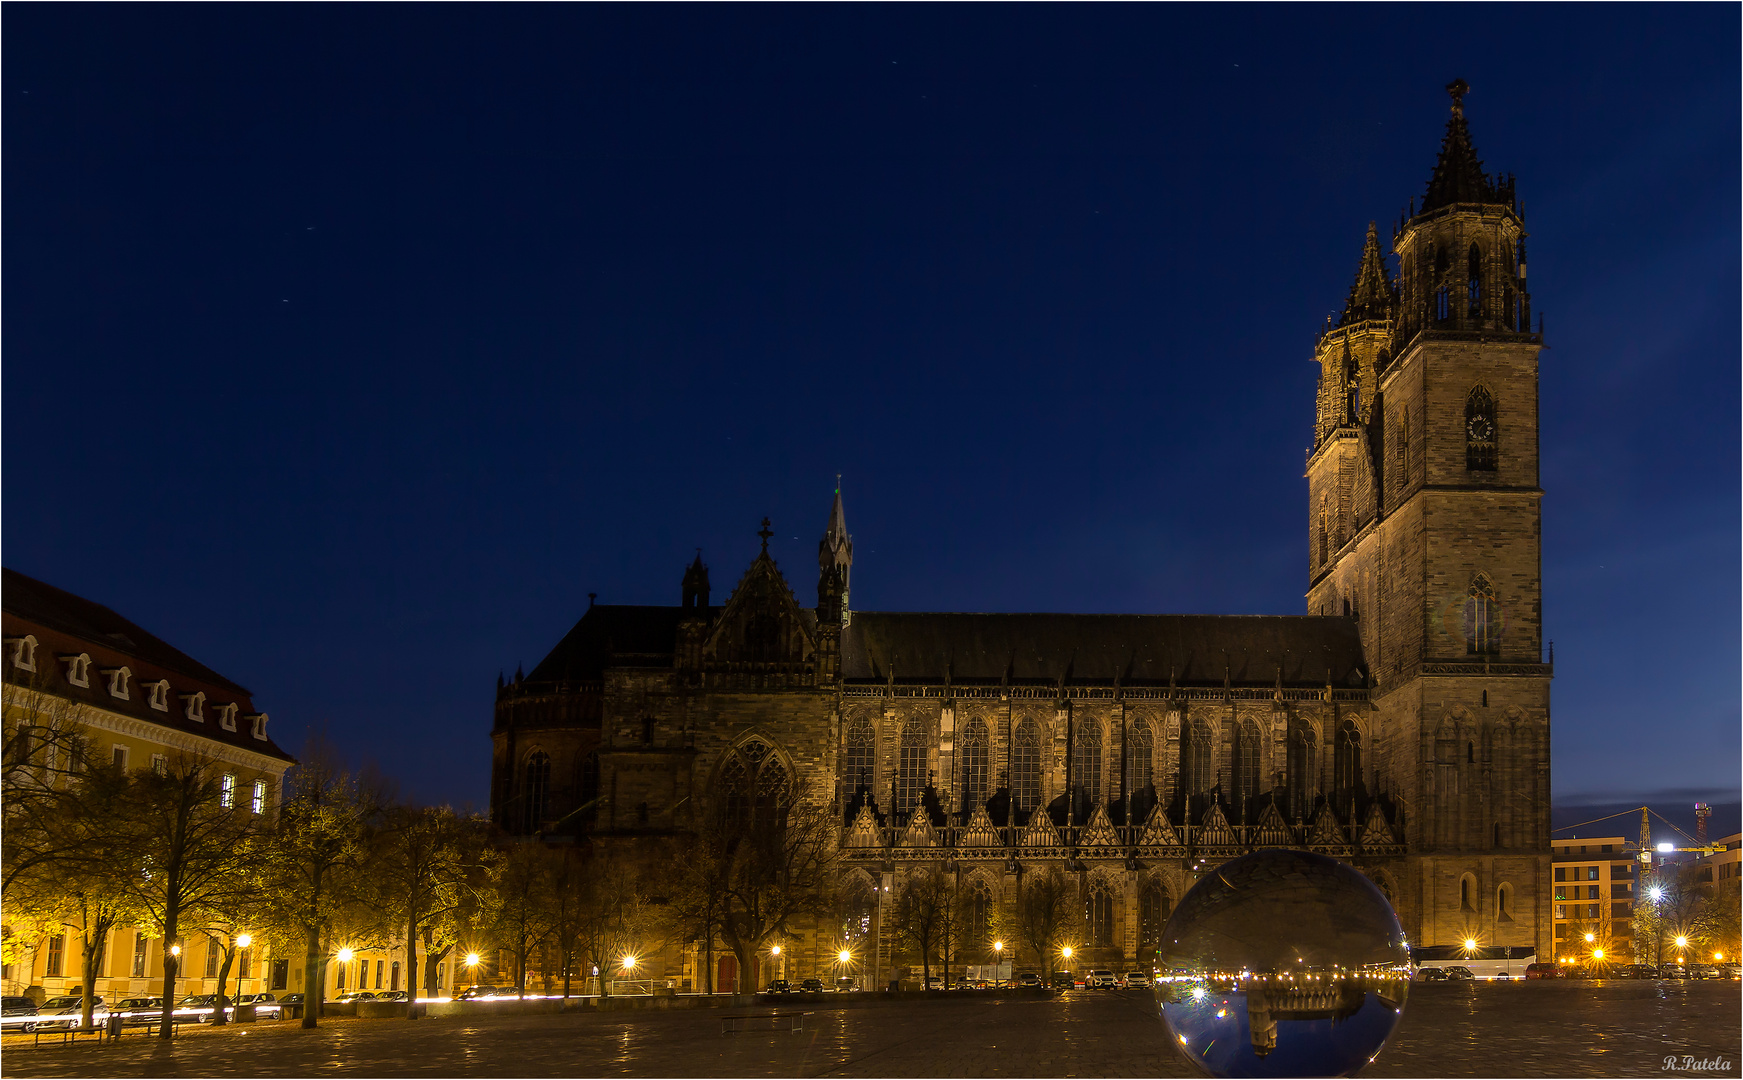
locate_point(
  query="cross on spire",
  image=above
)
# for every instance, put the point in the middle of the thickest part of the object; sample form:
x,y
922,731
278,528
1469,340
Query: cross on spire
x,y
765,532
1457,89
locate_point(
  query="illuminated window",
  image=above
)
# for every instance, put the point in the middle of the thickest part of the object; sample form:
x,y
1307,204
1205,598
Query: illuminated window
x,y
1026,767
975,764
1086,760
858,758
227,791
258,802
910,766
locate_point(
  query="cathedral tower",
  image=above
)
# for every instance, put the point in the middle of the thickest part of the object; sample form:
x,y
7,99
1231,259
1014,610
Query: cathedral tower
x,y
1424,524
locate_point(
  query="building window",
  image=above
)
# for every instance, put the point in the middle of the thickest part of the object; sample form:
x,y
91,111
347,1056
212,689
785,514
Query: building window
x,y
159,764
1480,430
1403,451
975,764
857,761
1442,305
1504,902
1352,387
1100,914
118,755
194,706
339,976
1474,283
157,695
257,725
380,966
1561,873
213,951
280,974
647,731
752,786
244,964
1140,754
910,766
1347,762
78,669
1086,760
227,716
227,791
1324,540
1026,767
1561,911
1482,618
1152,916
1466,888
23,652
257,803
980,912
1246,765
57,953
1303,771
141,944
1195,751
1591,873
536,792
118,680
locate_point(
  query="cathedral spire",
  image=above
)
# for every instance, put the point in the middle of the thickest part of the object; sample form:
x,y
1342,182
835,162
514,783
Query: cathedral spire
x,y
835,562
1371,294
1458,175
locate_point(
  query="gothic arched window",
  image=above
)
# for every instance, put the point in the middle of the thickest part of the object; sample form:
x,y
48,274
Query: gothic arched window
x,y
1152,917
1480,430
858,757
1246,761
1324,539
1474,285
1482,618
1347,762
1303,770
537,791
752,786
1352,388
1140,758
911,766
1026,767
1195,757
762,638
1086,760
1099,913
980,914
975,764
590,777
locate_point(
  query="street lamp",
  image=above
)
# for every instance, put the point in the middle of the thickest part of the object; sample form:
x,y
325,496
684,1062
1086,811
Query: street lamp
x,y
1682,942
1591,938
1470,944
244,940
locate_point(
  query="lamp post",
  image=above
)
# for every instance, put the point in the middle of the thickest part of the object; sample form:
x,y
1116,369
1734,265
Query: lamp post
x,y
844,963
471,968
998,961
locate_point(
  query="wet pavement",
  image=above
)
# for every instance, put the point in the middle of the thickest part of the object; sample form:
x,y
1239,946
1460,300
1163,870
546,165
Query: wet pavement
x,y
1556,1028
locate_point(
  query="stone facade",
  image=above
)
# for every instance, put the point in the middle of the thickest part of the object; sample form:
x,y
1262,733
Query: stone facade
x,y
1402,724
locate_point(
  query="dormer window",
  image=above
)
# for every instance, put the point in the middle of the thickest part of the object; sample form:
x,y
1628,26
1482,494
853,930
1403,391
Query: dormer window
x,y
257,725
157,694
78,669
118,679
194,706
23,652
227,716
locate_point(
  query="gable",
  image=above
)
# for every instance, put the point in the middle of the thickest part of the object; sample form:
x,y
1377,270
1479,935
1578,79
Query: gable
x,y
762,623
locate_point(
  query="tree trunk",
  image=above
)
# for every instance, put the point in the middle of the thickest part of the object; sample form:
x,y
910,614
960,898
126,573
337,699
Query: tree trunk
x,y
710,971
314,975
92,947
171,968
218,1017
411,967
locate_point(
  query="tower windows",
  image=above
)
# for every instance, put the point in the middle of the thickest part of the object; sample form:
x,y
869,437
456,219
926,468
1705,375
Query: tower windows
x,y
974,764
1086,760
910,766
1402,452
1474,284
536,792
1026,767
1482,618
1352,388
1324,540
1480,430
856,762
1442,304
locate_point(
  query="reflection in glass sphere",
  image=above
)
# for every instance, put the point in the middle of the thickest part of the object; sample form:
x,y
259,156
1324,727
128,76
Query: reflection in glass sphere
x,y
1282,963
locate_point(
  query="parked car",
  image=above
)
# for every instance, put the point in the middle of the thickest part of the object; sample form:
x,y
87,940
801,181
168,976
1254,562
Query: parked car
x,y
1137,980
1028,979
934,982
1063,980
474,992
1458,972
1542,971
17,1006
291,999
1431,974
1634,971
846,984
255,999
810,986
67,1011
137,1010
391,995
1673,971
1732,971
779,986
1100,979
1704,971
354,995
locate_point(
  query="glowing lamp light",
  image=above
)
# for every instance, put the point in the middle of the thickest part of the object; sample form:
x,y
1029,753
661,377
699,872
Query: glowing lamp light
x,y
1682,942
471,959
175,950
244,940
629,963
775,951
1718,956
844,956
1470,944
1591,938
1198,993
1066,952
998,946
345,955
1597,954
1666,846
1656,893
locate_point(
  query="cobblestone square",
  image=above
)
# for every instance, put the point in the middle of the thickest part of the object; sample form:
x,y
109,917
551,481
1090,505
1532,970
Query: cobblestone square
x,y
1519,1029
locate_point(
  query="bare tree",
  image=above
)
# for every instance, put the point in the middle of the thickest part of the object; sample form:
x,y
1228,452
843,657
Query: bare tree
x,y
778,861
45,751
1040,915
924,918
522,903
427,864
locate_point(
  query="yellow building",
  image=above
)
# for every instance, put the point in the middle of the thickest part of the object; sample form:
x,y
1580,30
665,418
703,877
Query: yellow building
x,y
140,701
1593,888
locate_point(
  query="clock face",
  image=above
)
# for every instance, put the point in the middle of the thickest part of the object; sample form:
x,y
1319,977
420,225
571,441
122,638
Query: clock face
x,y
1481,428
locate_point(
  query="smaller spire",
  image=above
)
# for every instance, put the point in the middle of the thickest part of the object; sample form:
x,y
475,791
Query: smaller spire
x,y
1371,293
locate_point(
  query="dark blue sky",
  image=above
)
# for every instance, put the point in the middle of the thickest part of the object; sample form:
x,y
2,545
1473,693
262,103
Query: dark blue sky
x,y
350,347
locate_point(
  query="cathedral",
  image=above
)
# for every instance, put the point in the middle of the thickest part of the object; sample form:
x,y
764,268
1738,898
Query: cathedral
x,y
1401,724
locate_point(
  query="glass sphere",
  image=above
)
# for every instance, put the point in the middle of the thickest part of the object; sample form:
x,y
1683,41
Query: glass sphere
x,y
1282,963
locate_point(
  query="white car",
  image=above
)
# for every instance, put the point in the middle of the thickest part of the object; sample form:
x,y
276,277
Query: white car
x,y
1101,979
1136,979
62,1012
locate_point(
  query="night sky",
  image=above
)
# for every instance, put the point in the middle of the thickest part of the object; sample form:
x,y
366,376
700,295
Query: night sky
x,y
349,348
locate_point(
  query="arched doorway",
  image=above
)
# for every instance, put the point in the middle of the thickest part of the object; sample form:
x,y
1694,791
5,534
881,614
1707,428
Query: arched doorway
x,y
726,978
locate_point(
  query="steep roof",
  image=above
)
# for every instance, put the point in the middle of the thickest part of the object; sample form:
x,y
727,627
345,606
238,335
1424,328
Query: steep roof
x,y
611,628
1371,294
57,609
1458,173
1192,649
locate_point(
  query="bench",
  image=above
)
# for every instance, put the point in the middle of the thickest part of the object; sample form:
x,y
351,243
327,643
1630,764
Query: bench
x,y
744,1021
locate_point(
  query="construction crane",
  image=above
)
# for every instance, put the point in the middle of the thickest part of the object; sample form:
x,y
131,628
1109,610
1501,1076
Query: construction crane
x,y
1644,849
